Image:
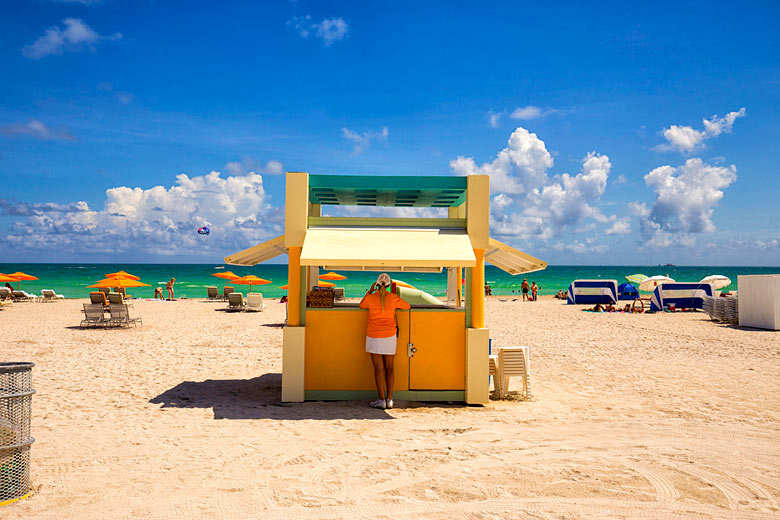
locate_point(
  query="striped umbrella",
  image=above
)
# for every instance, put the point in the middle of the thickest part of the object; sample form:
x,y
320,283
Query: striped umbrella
x,y
636,278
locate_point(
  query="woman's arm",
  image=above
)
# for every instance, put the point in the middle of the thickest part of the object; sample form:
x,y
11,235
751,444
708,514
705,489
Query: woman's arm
x,y
363,305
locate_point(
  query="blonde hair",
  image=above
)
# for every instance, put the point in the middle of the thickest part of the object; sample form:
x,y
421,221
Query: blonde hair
x,y
382,296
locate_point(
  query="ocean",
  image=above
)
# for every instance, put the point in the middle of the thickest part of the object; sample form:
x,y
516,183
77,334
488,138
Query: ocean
x,y
71,280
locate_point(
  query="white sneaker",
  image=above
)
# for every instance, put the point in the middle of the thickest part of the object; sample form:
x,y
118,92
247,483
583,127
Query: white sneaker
x,y
389,404
379,403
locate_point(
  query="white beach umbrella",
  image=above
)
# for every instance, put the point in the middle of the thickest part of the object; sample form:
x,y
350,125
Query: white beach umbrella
x,y
650,284
717,280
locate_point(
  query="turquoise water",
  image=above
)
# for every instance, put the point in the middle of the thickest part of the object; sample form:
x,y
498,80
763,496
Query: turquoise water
x,y
71,280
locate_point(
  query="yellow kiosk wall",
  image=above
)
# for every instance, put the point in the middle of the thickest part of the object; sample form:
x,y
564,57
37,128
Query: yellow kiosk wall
x,y
336,358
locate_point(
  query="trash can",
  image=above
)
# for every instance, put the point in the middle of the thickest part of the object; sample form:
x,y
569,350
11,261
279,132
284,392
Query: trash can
x,y
15,410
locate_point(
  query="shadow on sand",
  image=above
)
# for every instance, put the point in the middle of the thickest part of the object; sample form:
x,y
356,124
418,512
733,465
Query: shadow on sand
x,y
258,398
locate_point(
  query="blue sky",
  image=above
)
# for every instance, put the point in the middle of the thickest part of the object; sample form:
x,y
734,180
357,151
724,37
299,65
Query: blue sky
x,y
613,134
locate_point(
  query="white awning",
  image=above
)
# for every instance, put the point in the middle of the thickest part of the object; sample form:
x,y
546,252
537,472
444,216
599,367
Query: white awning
x,y
259,253
387,249
510,259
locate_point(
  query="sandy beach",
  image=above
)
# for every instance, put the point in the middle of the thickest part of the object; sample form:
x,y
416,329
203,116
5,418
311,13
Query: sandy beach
x,y
632,416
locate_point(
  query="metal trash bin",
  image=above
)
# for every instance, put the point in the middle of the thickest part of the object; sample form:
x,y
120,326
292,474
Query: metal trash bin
x,y
15,409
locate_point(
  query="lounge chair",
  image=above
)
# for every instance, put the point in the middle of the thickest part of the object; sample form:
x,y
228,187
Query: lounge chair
x,y
98,297
235,302
48,295
514,362
254,302
226,291
21,296
212,293
116,298
6,293
120,315
93,315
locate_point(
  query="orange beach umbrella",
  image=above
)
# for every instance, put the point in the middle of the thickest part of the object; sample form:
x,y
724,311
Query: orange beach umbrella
x,y
19,276
6,278
251,280
119,282
227,275
332,276
122,274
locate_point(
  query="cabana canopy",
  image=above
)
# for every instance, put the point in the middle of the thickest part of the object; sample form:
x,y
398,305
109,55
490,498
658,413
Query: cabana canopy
x,y
259,253
450,251
511,260
427,249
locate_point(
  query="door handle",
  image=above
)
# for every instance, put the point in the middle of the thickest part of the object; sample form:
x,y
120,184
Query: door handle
x,y
410,349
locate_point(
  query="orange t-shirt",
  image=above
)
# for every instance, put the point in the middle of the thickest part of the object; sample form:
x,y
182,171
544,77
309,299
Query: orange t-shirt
x,y
382,324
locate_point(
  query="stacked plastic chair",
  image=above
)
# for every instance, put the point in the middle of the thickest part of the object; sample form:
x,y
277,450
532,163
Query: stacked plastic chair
x,y
15,410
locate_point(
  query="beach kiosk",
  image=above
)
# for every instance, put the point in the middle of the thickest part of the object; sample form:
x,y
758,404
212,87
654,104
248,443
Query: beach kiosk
x,y
442,350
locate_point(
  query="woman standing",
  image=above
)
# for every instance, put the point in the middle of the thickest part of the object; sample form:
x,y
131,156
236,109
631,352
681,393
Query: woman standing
x,y
169,286
381,336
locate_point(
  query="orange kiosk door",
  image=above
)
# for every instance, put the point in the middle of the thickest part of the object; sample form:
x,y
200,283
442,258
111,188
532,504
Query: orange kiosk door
x,y
438,362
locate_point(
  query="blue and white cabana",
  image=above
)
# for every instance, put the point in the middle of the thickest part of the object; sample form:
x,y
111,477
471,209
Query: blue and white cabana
x,y
626,291
589,292
681,295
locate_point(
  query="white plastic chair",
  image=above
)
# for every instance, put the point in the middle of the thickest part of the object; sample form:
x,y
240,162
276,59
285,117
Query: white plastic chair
x,y
514,362
254,302
493,372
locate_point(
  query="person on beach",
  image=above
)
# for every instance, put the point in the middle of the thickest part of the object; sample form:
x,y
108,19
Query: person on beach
x,y
169,286
381,336
524,287
158,294
534,289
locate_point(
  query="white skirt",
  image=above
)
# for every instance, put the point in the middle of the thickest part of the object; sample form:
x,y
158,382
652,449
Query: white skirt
x,y
384,346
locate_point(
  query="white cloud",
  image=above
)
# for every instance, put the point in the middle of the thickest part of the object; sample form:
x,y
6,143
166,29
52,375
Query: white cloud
x,y
160,220
520,167
38,130
74,37
621,179
686,197
528,203
581,248
249,165
329,30
532,112
301,25
620,227
361,141
686,139
526,113
494,118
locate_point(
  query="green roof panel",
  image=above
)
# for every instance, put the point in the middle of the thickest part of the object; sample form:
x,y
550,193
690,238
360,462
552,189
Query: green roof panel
x,y
400,191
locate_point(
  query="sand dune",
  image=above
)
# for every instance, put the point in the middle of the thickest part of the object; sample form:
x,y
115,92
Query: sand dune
x,y
633,416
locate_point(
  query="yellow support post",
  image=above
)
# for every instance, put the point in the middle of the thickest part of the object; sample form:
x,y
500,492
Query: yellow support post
x,y
478,210
293,357
477,391
478,291
296,208
294,287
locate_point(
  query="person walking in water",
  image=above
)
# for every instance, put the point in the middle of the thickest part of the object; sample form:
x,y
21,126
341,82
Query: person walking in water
x,y
524,287
169,286
381,336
